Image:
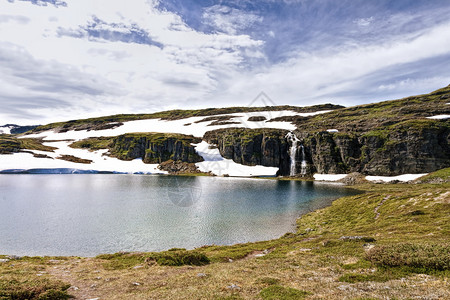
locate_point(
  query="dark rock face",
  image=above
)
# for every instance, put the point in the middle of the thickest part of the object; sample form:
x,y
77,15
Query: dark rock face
x,y
178,167
418,146
410,148
267,147
155,148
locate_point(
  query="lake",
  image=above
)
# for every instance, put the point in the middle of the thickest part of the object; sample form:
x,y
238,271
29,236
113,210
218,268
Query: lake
x,y
85,215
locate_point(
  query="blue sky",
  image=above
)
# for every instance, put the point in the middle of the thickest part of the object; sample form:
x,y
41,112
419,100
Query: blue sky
x,y
68,59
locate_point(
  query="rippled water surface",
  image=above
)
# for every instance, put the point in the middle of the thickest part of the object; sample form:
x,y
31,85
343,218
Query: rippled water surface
x,y
91,214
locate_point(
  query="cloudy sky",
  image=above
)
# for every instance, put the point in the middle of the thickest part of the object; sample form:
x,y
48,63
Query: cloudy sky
x,y
69,59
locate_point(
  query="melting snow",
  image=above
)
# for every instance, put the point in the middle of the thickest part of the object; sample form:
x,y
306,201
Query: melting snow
x,y
5,129
179,126
404,177
439,117
213,161
26,161
220,166
329,177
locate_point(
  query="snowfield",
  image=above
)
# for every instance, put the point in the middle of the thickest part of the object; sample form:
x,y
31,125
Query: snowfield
x,y
213,163
403,178
220,166
329,177
186,126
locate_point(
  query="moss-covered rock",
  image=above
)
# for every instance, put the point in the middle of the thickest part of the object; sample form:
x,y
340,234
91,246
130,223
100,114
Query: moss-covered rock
x,y
267,147
152,148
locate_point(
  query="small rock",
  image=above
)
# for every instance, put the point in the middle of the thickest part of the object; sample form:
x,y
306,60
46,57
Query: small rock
x,y
367,247
14,257
93,286
75,288
357,238
264,253
4,260
98,278
201,275
234,287
136,283
230,260
346,288
54,261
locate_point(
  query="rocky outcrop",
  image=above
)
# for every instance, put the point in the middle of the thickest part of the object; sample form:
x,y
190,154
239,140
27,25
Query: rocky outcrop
x,y
179,167
419,146
9,145
155,148
267,147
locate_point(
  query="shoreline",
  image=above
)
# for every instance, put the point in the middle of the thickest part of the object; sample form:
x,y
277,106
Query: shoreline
x,y
294,230
326,257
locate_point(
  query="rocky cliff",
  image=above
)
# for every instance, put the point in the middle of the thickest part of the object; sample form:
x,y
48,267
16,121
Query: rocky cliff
x,y
267,147
155,148
420,146
410,147
386,138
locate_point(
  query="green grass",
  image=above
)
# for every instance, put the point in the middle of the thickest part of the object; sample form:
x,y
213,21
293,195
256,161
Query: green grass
x,y
16,288
276,292
422,256
93,144
10,144
173,257
402,114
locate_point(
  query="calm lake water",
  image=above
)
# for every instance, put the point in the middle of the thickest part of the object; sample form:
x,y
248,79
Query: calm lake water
x,y
87,215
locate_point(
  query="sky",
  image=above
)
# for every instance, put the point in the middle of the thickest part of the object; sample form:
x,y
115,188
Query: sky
x,y
70,59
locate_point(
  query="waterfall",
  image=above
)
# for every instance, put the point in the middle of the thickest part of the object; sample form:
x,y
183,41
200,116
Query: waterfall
x,y
291,137
303,165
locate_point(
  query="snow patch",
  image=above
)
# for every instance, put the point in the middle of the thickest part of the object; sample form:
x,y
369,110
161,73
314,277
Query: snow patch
x,y
403,178
329,177
5,129
218,165
179,126
333,130
439,117
214,162
101,163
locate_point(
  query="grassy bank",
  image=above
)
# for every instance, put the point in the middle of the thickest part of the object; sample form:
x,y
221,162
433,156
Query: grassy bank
x,y
392,241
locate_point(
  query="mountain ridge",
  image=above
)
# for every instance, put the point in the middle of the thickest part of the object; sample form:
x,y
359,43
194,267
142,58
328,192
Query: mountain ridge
x,y
388,138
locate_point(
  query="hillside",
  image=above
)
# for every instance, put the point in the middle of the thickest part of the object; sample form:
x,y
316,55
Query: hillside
x,y
390,138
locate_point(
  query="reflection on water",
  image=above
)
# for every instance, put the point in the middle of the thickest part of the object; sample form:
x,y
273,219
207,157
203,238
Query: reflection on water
x,y
91,214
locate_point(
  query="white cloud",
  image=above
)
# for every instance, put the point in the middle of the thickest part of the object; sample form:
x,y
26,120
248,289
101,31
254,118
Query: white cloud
x,y
229,20
314,77
128,76
364,22
99,57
